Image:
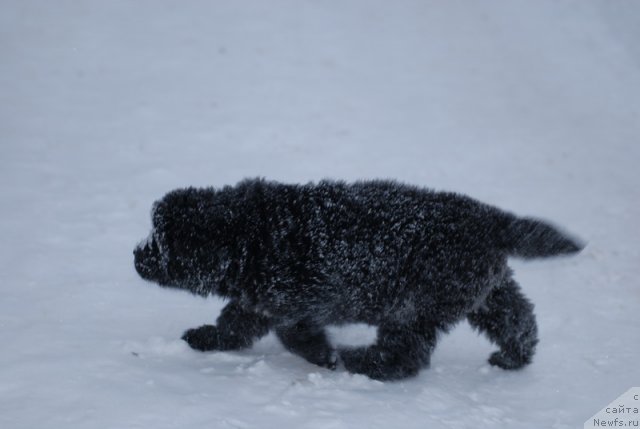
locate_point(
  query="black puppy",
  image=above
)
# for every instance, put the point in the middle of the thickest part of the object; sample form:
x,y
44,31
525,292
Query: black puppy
x,y
295,258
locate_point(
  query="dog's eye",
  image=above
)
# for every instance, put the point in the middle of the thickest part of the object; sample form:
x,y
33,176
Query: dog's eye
x,y
157,213
159,241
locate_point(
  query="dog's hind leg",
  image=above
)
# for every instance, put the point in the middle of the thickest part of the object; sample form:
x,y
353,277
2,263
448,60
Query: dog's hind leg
x,y
507,319
236,328
399,352
308,341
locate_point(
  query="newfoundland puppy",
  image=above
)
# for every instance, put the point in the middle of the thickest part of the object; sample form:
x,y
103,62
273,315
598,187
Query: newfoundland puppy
x,y
296,258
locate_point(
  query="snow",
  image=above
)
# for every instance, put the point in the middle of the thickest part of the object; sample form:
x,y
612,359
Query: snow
x,y
105,106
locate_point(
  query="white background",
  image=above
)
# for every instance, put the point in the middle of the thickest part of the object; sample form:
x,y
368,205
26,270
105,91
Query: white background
x,y
533,106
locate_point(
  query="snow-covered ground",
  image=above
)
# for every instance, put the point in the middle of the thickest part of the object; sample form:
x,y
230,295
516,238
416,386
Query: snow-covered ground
x,y
105,105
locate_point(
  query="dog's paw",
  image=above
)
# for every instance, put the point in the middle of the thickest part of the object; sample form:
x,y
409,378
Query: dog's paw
x,y
323,358
330,361
378,364
504,361
204,338
352,359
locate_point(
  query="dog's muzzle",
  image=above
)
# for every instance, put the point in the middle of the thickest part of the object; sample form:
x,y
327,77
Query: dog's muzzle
x,y
148,261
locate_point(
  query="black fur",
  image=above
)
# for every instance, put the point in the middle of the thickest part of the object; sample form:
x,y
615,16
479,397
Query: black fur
x,y
295,258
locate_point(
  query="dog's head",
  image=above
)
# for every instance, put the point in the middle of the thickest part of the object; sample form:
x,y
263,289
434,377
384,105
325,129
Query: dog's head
x,y
188,247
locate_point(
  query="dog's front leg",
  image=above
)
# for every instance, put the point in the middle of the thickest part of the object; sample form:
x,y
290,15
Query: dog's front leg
x,y
399,352
236,328
309,341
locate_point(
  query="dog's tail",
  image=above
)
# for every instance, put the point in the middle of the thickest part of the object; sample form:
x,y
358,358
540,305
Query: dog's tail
x,y
531,238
